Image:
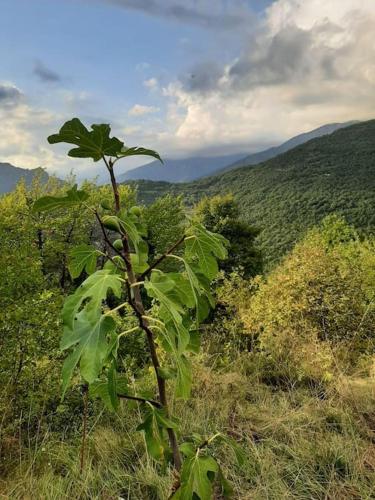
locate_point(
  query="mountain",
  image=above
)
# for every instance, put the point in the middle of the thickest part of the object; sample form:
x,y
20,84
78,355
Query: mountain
x,y
190,169
184,170
267,154
288,194
11,175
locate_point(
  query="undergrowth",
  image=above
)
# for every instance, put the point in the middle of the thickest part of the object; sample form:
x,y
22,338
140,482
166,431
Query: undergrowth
x,y
298,442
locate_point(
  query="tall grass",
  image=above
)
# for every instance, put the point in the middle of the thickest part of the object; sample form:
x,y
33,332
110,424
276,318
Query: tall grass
x,y
299,443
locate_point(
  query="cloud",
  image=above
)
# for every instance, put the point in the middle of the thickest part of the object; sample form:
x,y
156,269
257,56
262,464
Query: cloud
x,y
131,130
203,76
205,13
22,141
10,95
46,74
140,110
309,62
151,83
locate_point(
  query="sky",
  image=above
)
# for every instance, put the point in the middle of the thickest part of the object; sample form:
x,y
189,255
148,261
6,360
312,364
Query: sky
x,y
184,77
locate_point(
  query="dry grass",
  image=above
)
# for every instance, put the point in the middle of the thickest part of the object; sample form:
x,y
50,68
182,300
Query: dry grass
x,y
299,443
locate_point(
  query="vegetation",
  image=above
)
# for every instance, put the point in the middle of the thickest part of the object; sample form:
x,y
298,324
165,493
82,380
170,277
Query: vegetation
x,y
281,401
221,214
291,193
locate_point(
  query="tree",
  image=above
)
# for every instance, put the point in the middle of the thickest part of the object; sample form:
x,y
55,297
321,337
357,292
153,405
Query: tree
x,y
167,306
165,220
314,314
221,214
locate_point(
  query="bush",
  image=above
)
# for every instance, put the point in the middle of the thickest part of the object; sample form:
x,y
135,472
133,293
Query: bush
x,y
314,314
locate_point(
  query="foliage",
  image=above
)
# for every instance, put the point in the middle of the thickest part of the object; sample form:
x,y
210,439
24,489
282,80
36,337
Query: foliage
x,y
285,368
165,220
35,253
297,444
314,314
291,193
221,214
177,303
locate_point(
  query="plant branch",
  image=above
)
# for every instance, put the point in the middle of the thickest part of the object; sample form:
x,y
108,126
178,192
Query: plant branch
x,y
109,165
141,400
162,257
135,301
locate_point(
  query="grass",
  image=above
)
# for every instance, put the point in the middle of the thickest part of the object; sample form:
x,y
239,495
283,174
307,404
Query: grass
x,y
299,443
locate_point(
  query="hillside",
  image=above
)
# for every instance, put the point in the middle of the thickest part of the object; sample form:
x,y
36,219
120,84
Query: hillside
x,y
290,193
190,169
182,170
11,175
267,154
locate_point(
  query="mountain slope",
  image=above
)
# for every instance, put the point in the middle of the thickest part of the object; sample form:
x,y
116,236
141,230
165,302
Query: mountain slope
x,y
189,169
183,170
290,193
267,154
10,176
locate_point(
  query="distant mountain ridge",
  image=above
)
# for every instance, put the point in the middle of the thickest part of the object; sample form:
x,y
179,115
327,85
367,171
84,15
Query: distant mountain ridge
x,y
183,170
190,169
11,175
267,154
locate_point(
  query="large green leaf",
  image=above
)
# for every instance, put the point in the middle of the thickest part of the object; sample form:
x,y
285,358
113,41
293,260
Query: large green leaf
x,y
174,292
90,144
73,197
153,426
135,151
182,291
107,389
206,247
128,226
140,258
92,292
83,257
89,337
195,478
175,342
160,287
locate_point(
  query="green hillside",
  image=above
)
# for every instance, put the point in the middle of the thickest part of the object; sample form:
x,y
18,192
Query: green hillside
x,y
290,193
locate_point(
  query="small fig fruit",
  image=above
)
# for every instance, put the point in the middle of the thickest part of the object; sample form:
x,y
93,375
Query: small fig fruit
x,y
118,245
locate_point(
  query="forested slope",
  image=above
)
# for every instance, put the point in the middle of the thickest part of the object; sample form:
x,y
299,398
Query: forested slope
x,y
290,193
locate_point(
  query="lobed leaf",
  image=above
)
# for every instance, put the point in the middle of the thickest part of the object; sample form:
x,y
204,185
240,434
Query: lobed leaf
x,y
153,426
73,197
89,339
83,257
92,292
206,247
135,151
90,144
107,390
195,478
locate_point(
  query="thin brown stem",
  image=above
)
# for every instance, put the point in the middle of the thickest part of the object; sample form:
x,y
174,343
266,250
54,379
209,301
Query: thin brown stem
x,y
84,427
135,301
162,257
109,165
141,400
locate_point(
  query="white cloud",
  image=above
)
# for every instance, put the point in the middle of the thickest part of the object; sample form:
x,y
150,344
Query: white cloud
x,y
131,130
311,62
140,110
22,141
151,83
